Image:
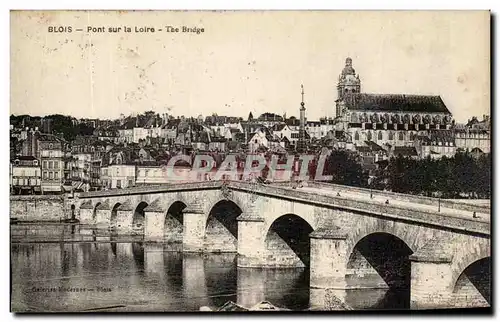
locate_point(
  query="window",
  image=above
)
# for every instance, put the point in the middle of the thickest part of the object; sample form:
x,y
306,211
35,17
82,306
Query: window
x,y
401,136
391,136
44,164
56,175
51,164
56,164
369,136
118,183
356,136
130,183
380,135
51,175
45,176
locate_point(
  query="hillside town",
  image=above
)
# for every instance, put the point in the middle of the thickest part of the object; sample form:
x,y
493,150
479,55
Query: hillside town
x,y
59,154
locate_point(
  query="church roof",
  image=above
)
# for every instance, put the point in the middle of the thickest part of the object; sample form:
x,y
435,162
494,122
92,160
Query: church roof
x,y
396,103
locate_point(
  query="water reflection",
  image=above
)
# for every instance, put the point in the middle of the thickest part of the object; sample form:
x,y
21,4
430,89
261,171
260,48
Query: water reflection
x,y
140,277
104,272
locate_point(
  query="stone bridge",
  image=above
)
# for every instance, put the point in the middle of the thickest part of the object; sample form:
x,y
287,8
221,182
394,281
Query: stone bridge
x,y
436,252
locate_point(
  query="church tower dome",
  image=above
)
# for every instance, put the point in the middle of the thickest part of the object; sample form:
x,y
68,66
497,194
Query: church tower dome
x,y
348,70
348,84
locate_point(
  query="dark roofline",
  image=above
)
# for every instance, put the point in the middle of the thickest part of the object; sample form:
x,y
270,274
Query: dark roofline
x,y
390,103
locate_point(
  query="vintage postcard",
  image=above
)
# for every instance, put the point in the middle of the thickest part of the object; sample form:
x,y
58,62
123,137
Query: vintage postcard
x,y
176,161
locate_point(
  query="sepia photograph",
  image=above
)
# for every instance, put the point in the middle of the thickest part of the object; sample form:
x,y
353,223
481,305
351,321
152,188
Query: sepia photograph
x,y
234,161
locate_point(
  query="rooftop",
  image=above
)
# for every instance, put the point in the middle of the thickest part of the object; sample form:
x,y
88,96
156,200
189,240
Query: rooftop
x,y
396,103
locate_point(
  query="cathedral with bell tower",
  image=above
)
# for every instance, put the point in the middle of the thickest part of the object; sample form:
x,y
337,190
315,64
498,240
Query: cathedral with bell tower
x,y
388,120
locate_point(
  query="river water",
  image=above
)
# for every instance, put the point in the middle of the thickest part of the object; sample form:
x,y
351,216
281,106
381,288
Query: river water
x,y
73,268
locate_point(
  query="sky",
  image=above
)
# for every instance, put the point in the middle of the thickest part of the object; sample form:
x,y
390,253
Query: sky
x,y
252,61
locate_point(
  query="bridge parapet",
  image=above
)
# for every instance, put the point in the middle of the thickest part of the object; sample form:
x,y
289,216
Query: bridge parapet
x,y
445,203
153,189
386,210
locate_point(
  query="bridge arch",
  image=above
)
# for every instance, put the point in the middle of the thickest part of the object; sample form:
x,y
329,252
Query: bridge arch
x,y
113,222
221,227
287,242
466,252
94,211
173,225
233,198
381,260
411,237
476,277
139,218
471,271
271,210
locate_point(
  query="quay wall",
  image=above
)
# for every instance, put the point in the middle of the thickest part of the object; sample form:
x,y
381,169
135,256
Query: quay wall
x,y
37,208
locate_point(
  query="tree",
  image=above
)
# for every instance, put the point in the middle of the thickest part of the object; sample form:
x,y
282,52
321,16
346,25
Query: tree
x,y
345,169
455,177
482,176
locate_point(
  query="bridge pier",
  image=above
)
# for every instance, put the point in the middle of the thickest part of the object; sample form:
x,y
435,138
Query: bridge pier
x,y
124,219
103,218
431,282
328,259
86,214
328,269
193,237
251,246
154,223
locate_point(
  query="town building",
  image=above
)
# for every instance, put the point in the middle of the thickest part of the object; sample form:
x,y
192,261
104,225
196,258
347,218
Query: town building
x,y
475,135
321,128
50,150
25,175
263,139
269,119
436,144
118,176
29,146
